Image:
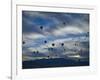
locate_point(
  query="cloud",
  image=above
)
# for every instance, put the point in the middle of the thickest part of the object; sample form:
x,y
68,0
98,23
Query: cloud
x,y
33,36
52,21
67,30
58,28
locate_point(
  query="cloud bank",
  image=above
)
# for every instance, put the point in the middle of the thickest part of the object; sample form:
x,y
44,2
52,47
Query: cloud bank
x,y
57,28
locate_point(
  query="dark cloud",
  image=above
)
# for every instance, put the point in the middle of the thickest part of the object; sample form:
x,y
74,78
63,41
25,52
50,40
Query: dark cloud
x,y
50,21
56,26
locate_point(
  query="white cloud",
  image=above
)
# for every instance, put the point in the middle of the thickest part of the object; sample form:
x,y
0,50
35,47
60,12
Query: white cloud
x,y
33,36
67,30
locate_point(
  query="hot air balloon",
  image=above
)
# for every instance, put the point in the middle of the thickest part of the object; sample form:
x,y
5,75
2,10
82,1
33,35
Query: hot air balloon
x,y
45,41
23,42
64,23
37,52
41,27
34,52
53,44
62,44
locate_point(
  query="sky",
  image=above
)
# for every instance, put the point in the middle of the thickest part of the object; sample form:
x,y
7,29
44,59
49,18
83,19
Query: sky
x,y
57,28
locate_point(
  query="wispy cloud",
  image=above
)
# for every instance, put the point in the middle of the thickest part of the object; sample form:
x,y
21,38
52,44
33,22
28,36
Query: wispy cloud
x,y
58,28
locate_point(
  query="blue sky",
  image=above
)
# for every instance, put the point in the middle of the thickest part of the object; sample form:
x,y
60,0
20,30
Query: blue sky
x,y
58,28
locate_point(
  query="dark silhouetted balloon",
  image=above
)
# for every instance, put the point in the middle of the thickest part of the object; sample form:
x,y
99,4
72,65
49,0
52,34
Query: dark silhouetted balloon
x,y
41,27
45,41
23,42
53,44
64,23
48,56
62,44
37,51
33,51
